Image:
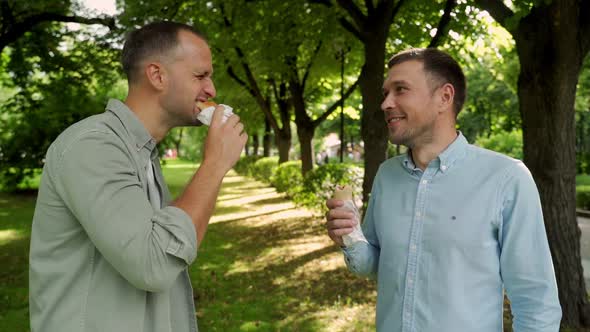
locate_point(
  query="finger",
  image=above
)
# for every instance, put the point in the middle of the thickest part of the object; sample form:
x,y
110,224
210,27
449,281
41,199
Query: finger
x,y
334,203
244,137
233,120
217,118
239,127
340,223
341,232
340,214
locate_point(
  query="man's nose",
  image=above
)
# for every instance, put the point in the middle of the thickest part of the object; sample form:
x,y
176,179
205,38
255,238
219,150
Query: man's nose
x,y
388,103
210,89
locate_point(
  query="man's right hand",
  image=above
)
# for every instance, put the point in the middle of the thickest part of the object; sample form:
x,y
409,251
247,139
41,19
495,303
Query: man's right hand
x,y
339,221
225,141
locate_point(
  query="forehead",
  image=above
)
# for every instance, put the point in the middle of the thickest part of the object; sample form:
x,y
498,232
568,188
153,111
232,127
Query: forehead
x,y
193,49
411,72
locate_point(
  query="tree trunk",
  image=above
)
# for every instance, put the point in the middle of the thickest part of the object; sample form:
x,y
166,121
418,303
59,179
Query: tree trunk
x,y
284,145
178,142
551,56
373,129
247,146
266,138
255,144
305,135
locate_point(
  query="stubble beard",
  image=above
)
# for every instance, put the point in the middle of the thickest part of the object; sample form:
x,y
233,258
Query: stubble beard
x,y
411,137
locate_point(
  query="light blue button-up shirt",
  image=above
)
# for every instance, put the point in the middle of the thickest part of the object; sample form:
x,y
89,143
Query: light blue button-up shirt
x,y
444,243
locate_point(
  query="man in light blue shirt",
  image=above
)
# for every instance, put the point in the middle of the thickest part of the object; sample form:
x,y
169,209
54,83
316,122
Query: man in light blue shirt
x,y
449,226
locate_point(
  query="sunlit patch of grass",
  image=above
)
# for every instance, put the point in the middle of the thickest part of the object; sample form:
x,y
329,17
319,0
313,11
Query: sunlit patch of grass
x,y
9,235
346,316
265,265
178,166
281,263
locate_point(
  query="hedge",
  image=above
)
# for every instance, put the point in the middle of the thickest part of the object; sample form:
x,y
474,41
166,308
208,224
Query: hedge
x,y
309,191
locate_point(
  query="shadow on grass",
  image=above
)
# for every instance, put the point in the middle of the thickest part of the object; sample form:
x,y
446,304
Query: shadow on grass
x,y
241,276
16,214
14,302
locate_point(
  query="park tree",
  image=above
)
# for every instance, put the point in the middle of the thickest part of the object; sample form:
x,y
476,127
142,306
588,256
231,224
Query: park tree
x,y
552,38
289,45
370,23
55,76
19,17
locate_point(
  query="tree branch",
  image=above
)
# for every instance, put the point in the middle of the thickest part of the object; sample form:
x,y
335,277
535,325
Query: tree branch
x,y
251,84
499,11
585,26
396,9
355,13
313,57
18,29
351,28
443,24
326,3
334,106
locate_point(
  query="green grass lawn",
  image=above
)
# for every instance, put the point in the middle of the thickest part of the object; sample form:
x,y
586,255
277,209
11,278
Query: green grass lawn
x,y
264,265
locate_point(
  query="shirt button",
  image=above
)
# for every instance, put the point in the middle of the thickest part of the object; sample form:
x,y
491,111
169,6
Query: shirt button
x,y
413,247
443,167
410,281
418,214
424,181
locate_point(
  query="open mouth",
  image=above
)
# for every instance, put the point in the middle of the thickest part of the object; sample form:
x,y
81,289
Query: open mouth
x,y
395,119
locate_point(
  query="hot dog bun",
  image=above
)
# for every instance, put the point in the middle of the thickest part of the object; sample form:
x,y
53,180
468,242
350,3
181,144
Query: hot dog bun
x,y
343,193
204,104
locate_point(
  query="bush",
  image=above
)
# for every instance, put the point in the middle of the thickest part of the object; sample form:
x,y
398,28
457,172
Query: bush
x,y
287,178
263,168
583,197
319,184
508,143
243,165
583,162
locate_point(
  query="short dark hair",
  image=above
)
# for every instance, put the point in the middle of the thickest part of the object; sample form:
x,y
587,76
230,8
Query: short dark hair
x,y
153,39
440,66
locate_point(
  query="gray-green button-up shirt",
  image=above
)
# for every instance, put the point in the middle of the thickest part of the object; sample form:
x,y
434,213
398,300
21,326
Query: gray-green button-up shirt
x,y
102,258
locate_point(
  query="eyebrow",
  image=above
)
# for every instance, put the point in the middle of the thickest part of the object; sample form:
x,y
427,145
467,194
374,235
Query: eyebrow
x,y
203,72
399,82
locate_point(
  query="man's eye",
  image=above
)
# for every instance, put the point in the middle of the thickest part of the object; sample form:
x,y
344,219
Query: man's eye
x,y
400,89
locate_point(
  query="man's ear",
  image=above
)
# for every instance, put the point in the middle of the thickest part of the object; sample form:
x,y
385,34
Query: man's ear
x,y
446,96
156,75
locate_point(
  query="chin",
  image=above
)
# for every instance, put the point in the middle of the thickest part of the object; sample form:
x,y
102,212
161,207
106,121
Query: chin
x,y
399,140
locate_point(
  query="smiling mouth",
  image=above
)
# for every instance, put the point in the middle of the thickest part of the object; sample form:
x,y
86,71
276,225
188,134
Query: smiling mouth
x,y
395,119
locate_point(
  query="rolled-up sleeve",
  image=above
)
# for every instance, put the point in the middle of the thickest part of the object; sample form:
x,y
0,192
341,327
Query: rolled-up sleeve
x,y
95,176
182,236
526,264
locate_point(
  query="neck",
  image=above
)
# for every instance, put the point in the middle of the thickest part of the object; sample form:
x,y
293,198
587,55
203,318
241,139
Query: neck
x,y
423,154
147,109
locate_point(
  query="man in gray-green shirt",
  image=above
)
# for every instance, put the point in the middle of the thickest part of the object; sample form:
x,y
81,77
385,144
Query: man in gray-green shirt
x,y
109,249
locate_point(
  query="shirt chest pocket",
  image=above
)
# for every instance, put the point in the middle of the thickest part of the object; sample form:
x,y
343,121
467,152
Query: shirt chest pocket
x,y
469,225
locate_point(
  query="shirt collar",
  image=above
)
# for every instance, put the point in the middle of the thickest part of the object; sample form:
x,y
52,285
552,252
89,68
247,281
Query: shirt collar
x,y
131,123
446,159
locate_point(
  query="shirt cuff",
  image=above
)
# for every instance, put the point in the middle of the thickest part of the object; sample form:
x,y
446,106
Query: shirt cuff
x,y
183,240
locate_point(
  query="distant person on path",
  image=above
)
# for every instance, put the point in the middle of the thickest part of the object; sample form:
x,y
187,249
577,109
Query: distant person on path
x,y
449,225
109,249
